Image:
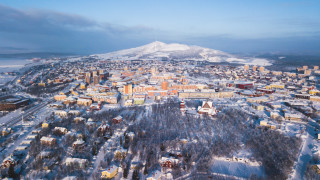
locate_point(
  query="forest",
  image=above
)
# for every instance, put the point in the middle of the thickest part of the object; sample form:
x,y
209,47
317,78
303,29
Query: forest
x,y
159,131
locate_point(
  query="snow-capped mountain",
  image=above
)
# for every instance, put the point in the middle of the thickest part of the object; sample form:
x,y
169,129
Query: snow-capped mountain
x,y
160,50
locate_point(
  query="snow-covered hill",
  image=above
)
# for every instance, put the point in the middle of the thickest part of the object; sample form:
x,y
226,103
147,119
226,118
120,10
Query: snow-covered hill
x,y
160,50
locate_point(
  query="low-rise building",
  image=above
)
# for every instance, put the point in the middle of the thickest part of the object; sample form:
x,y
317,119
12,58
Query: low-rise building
x,y
78,145
60,130
292,117
61,113
207,108
110,172
76,162
45,125
117,119
257,106
169,162
48,141
60,97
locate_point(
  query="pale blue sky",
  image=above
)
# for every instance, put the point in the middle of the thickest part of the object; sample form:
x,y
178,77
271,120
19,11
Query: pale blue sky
x,y
234,25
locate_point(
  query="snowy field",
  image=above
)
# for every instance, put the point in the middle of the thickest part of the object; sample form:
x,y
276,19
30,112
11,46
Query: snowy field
x,y
159,50
9,65
5,78
238,169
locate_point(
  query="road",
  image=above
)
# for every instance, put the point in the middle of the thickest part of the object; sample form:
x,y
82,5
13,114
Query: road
x,y
305,153
115,140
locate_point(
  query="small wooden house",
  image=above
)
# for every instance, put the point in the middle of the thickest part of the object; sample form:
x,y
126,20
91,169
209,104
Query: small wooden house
x,y
78,145
156,175
48,141
60,130
117,120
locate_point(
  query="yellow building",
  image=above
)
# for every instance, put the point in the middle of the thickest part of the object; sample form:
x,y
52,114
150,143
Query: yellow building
x,y
109,172
82,86
45,125
75,93
42,84
276,86
314,92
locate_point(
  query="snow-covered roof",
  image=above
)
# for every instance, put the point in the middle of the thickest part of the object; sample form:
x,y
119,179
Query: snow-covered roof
x,y
47,138
118,117
111,169
155,175
75,160
79,142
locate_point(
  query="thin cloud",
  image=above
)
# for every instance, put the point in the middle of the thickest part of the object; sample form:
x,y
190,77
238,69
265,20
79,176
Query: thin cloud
x,y
36,30
43,30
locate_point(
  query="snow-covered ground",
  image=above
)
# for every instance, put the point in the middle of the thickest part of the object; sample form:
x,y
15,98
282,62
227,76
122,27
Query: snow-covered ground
x,y
238,169
308,148
28,127
9,65
159,50
5,78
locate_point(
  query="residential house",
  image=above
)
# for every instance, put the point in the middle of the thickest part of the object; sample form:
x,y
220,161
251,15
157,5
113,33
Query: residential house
x,y
8,161
117,119
156,175
292,117
110,172
168,162
74,112
78,145
207,108
48,141
119,154
78,120
102,129
6,131
61,113
76,162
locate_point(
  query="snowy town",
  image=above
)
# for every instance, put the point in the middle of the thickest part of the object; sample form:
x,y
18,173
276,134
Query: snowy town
x,y
96,118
